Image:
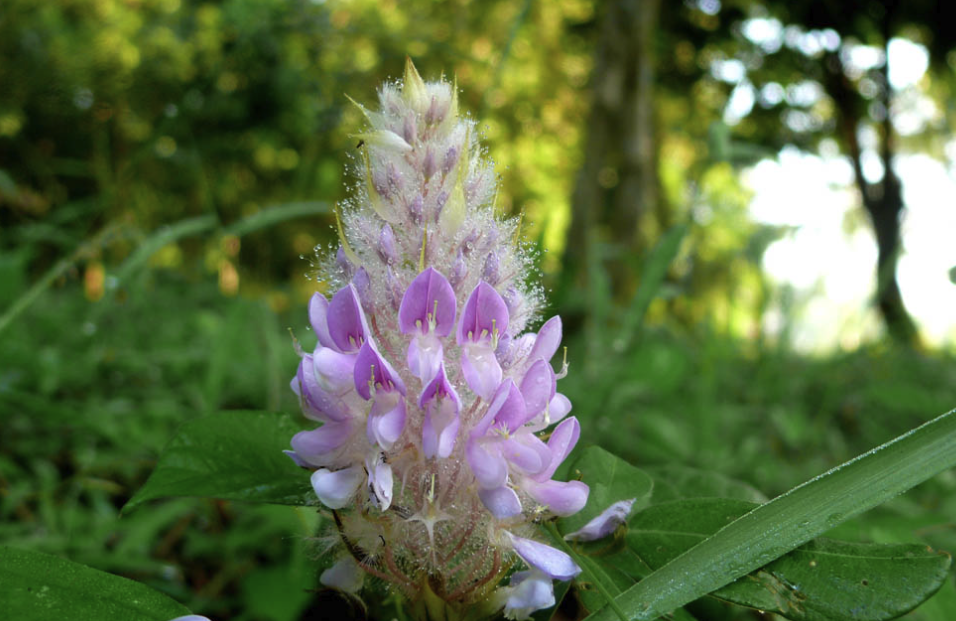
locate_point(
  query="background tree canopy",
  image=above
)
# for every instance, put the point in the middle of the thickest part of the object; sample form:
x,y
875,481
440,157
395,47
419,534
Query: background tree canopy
x,y
168,168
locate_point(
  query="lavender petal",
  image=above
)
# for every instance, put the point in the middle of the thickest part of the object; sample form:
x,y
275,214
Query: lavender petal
x,y
605,523
546,559
336,489
502,502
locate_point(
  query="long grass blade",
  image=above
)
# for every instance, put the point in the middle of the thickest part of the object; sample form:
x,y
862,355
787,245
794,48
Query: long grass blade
x,y
777,527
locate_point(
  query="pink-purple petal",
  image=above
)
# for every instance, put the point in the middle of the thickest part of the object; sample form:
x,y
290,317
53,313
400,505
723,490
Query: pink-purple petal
x,y
501,395
605,523
424,355
481,369
441,423
502,502
346,320
311,446
562,440
528,591
538,386
386,420
318,317
319,404
512,413
487,464
428,305
373,371
530,442
548,340
484,316
333,370
522,456
544,558
336,489
439,387
560,497
559,407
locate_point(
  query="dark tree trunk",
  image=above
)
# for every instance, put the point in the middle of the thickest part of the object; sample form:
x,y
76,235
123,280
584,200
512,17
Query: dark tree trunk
x,y
618,181
883,202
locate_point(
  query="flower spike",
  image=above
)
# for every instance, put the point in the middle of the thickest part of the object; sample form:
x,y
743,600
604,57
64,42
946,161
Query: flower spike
x,y
432,399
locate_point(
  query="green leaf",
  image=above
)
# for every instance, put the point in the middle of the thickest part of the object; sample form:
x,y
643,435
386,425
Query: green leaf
x,y
819,581
42,587
773,529
610,479
232,456
673,482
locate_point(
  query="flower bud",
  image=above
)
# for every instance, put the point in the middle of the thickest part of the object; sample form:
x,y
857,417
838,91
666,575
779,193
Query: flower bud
x,y
451,158
345,266
386,245
409,129
416,208
489,272
429,167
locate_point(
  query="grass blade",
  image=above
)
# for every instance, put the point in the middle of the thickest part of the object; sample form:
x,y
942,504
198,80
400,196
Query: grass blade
x,y
777,527
163,236
652,277
274,214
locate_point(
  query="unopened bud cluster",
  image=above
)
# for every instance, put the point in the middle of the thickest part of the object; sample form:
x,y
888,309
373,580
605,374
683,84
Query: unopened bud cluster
x,y
441,427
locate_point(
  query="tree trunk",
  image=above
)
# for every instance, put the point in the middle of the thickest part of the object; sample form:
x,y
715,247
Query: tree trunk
x,y
883,202
618,181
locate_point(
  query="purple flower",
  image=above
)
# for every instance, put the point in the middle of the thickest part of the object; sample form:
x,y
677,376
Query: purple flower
x,y
527,592
483,319
441,404
336,489
318,447
431,451
605,523
377,381
560,497
428,313
380,481
344,321
544,558
386,245
499,443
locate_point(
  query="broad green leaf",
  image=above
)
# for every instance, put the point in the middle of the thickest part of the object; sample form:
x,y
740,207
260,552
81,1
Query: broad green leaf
x,y
673,482
777,527
610,479
232,456
42,587
819,581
